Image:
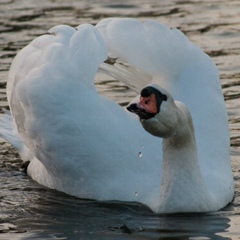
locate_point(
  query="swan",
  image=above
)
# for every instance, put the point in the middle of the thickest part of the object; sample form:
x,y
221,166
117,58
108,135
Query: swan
x,y
80,142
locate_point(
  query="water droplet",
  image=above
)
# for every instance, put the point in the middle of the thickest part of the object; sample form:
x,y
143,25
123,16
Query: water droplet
x,y
140,154
136,194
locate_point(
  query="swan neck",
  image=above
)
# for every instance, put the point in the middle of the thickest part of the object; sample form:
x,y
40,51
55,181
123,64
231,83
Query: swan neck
x,y
181,173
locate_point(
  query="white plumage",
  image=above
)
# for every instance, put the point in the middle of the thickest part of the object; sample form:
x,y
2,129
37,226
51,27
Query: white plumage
x,y
88,146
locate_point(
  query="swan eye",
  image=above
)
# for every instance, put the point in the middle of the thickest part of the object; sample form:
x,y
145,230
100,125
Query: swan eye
x,y
147,100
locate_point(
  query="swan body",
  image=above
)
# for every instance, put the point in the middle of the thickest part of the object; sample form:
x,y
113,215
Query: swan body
x,y
82,143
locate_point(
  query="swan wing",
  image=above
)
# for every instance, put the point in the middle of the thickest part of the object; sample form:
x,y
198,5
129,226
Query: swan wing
x,y
149,46
42,69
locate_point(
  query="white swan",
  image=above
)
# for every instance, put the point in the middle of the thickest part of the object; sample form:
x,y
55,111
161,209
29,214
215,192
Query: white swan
x,y
86,145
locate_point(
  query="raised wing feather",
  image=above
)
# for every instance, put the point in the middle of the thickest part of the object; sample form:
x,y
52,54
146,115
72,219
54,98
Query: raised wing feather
x,y
149,45
43,68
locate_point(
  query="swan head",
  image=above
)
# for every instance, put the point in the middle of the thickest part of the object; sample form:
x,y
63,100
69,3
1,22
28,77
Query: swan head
x,y
157,111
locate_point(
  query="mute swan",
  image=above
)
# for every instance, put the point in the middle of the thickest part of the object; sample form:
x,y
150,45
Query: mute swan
x,y
84,144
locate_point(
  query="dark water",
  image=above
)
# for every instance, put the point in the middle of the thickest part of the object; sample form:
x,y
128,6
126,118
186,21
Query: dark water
x,y
30,211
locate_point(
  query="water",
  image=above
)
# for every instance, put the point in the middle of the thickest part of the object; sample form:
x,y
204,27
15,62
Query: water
x,y
30,211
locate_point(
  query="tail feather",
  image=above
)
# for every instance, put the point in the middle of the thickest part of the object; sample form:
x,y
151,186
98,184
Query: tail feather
x,y
10,134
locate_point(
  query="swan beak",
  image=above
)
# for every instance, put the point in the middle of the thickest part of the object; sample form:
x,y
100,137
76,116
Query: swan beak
x,y
138,109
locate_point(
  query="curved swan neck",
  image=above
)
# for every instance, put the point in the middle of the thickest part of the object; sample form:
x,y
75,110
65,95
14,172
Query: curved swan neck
x,y
183,137
181,174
